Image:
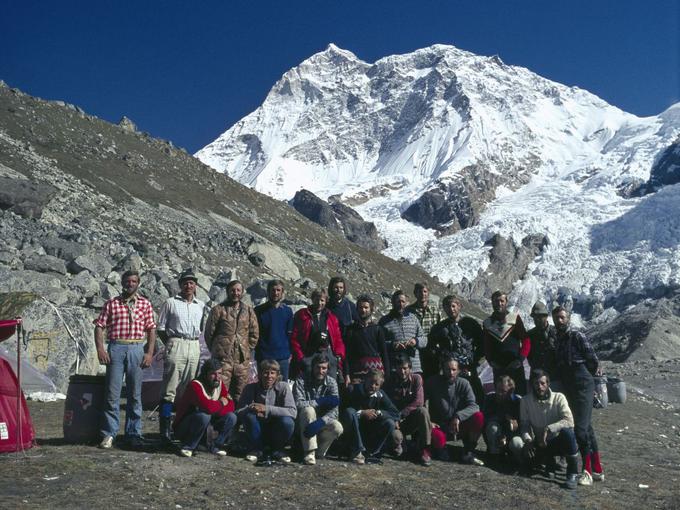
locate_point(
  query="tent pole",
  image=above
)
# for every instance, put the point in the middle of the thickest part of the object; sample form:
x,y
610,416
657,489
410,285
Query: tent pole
x,y
19,417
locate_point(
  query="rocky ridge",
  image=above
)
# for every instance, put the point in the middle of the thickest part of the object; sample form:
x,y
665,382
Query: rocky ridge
x,y
114,199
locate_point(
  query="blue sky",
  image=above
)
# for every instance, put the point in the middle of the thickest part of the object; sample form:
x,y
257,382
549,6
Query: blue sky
x,y
186,71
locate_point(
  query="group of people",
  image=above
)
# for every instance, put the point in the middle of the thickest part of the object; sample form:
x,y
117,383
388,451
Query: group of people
x,y
329,376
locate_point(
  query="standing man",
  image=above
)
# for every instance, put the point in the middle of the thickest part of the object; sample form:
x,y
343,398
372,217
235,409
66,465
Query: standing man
x,y
460,337
403,333
506,343
317,400
340,305
231,331
179,326
428,317
275,320
365,347
577,363
405,389
542,335
128,320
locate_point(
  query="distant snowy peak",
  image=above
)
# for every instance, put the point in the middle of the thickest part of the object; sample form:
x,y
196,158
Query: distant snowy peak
x,y
444,150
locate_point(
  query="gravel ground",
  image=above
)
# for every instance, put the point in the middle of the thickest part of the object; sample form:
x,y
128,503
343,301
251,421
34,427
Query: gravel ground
x,y
640,442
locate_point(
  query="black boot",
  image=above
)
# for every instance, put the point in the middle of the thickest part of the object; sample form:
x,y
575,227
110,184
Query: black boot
x,y
572,472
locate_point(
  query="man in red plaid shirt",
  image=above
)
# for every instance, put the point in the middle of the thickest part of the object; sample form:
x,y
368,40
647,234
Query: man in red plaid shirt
x,y
128,321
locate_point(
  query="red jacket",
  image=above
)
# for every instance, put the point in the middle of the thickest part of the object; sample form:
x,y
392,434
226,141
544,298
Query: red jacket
x,y
196,398
302,329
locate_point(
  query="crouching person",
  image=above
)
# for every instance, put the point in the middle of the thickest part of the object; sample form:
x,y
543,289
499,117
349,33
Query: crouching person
x,y
405,389
204,410
501,417
454,411
369,419
267,411
317,401
546,429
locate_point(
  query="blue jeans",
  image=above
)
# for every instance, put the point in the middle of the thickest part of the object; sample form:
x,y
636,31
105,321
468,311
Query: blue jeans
x,y
271,433
192,428
364,435
126,359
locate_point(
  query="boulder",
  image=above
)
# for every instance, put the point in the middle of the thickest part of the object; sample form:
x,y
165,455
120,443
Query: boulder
x,y
85,285
131,262
315,209
65,250
45,264
49,346
276,260
29,281
23,197
94,263
355,229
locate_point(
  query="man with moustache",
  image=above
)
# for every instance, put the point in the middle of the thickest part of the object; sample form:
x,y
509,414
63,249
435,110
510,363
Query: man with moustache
x,y
506,343
340,305
365,347
127,320
179,326
275,320
461,338
231,332
428,317
546,428
403,333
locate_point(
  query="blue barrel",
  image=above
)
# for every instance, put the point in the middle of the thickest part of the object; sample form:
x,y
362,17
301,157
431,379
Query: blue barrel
x,y
83,408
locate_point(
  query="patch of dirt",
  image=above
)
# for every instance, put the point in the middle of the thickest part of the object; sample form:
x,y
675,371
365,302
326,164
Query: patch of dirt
x,y
640,443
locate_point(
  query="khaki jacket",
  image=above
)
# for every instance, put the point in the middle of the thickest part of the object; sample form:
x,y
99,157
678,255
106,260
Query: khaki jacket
x,y
535,415
231,332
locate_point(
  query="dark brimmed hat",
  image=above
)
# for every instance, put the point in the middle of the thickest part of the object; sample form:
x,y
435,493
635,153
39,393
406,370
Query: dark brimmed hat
x,y
539,309
187,274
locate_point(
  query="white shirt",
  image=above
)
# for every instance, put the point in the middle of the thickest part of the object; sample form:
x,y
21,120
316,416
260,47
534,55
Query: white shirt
x,y
179,318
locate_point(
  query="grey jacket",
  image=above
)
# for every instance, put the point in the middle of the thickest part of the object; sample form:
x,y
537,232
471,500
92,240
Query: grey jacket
x,y
446,401
306,393
278,400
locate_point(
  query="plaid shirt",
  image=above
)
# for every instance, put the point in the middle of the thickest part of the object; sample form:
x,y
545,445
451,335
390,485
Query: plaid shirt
x,y
126,320
427,316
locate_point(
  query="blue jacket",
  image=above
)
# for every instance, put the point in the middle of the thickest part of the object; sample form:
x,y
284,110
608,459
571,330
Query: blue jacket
x,y
276,325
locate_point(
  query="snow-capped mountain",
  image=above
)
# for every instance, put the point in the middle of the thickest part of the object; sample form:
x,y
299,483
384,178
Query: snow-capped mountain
x,y
442,149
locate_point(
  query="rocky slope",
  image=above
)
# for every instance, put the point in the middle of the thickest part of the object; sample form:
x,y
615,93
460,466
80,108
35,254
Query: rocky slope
x,y
83,200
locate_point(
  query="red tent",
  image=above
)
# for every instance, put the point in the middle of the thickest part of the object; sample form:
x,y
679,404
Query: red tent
x,y
16,427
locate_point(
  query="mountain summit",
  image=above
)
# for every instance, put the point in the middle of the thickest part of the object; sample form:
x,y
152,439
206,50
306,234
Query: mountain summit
x,y
444,150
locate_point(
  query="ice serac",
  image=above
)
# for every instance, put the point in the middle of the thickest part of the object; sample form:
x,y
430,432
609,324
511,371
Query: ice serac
x,y
443,149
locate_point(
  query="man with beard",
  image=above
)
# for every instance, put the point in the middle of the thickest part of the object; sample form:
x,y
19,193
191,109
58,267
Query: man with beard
x,y
317,400
403,333
461,338
546,428
506,343
340,305
204,409
405,389
128,321
365,344
231,332
428,317
576,364
267,411
275,321
316,329
542,336
454,412
179,326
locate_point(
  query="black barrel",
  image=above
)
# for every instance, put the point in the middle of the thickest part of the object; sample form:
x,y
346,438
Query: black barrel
x,y
83,408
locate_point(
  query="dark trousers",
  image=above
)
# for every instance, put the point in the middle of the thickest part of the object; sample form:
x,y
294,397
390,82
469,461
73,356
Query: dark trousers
x,y
579,389
272,433
366,435
192,428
